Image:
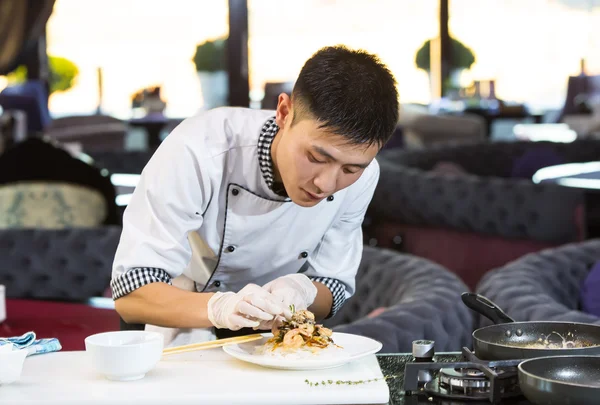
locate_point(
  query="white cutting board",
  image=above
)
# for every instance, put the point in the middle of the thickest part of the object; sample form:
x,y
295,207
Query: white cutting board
x,y
204,377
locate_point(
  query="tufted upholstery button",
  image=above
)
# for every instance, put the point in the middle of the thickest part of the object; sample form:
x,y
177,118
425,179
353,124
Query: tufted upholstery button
x,y
491,226
502,214
79,245
235,191
533,217
230,248
26,262
519,199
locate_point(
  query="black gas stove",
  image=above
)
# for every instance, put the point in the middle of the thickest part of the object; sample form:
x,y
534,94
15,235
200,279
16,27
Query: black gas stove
x,y
424,377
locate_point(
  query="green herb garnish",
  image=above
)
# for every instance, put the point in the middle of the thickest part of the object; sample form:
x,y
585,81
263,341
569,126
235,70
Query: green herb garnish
x,y
342,382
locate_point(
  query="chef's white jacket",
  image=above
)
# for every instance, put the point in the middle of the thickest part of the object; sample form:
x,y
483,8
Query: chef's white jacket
x,y
202,209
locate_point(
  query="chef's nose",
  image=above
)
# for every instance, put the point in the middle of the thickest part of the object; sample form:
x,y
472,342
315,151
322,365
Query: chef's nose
x,y
326,181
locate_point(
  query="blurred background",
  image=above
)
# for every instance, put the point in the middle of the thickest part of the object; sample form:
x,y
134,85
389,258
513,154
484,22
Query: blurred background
x,y
109,54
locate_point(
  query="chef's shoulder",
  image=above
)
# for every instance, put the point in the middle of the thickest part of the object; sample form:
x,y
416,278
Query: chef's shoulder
x,y
216,131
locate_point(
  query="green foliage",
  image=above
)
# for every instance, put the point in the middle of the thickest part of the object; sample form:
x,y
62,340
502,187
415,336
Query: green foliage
x,y
462,56
62,74
211,56
19,75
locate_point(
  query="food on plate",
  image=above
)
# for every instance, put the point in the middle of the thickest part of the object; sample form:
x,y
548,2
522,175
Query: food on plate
x,y
300,332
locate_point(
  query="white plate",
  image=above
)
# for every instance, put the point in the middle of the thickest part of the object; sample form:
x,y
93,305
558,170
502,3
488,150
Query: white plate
x,y
352,347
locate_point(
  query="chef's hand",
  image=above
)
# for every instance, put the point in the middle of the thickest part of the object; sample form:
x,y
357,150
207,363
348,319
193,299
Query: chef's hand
x,y
293,289
245,309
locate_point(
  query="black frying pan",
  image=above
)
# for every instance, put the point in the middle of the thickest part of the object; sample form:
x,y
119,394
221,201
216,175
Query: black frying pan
x,y
565,380
525,340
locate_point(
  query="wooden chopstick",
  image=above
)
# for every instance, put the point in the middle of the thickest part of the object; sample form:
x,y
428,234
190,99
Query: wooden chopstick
x,y
211,344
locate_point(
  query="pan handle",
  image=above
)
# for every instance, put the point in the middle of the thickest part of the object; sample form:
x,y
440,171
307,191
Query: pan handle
x,y
485,307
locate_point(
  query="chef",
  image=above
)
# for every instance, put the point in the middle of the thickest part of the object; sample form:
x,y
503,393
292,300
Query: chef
x,y
242,213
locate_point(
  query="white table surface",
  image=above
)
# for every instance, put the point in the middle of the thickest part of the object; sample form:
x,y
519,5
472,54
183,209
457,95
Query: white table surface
x,y
203,377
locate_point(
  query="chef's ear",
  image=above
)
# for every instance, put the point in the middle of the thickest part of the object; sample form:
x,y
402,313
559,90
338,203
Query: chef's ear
x,y
284,110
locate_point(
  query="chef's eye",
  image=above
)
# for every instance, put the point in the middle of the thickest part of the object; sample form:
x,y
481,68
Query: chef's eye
x,y
313,159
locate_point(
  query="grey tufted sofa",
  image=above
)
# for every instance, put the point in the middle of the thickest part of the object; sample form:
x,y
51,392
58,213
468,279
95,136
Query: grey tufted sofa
x,y
543,286
475,221
68,264
423,301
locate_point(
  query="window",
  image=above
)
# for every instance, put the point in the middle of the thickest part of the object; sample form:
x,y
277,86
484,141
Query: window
x,y
284,33
529,47
137,44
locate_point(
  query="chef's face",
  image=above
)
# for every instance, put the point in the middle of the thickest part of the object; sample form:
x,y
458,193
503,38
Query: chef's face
x,y
314,163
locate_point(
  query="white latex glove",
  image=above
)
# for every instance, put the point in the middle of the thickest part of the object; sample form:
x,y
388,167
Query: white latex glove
x,y
293,289
245,309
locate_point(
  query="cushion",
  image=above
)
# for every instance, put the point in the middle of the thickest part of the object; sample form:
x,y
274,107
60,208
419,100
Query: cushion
x,y
448,168
47,205
57,264
493,206
533,160
401,298
544,286
590,291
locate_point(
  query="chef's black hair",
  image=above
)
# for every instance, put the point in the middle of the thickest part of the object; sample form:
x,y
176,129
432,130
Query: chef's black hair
x,y
350,92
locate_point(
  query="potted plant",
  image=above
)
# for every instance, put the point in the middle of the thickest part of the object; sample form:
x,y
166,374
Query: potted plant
x,y
211,64
462,59
62,74
149,100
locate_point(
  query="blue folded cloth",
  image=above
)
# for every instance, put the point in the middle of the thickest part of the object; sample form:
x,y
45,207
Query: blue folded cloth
x,y
28,341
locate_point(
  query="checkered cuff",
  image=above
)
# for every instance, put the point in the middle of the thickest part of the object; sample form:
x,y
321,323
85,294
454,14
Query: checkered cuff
x,y
136,278
338,291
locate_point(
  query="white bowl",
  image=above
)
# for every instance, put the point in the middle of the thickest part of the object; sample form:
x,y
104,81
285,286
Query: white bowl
x,y
124,355
11,364
2,303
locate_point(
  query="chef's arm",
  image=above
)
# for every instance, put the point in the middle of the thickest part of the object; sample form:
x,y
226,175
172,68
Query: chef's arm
x,y
165,305
167,204
322,304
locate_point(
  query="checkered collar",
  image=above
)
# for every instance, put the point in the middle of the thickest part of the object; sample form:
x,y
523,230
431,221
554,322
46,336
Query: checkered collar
x,y
265,140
